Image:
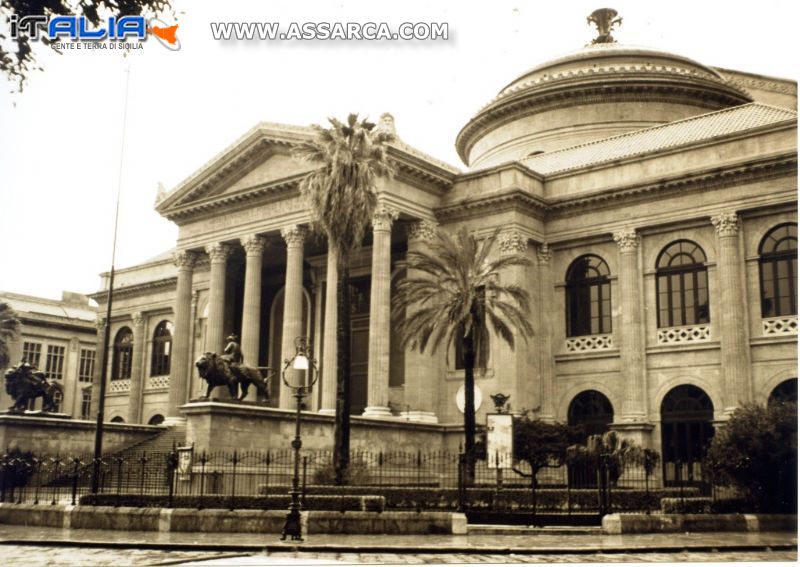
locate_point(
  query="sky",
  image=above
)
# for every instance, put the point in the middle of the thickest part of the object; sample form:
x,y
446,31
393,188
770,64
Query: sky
x,y
63,155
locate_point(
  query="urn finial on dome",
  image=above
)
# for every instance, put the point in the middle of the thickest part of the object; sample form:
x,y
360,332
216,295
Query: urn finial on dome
x,y
605,19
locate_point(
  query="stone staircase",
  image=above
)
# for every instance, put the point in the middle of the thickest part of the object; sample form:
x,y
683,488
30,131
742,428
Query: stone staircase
x,y
161,442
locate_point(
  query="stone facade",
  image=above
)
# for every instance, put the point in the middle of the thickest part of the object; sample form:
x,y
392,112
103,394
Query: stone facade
x,y
646,235
59,337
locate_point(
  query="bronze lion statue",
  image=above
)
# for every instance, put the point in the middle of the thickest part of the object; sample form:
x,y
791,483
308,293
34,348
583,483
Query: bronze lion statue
x,y
24,384
217,371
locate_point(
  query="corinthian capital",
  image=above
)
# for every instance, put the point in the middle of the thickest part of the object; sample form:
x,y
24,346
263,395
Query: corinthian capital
x,y
421,230
138,318
218,252
627,240
254,244
512,242
544,254
383,218
726,224
293,235
184,259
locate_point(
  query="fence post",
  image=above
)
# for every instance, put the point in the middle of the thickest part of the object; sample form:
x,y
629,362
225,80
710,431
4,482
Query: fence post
x,y
380,467
75,463
461,488
38,479
203,460
172,464
57,463
233,480
119,461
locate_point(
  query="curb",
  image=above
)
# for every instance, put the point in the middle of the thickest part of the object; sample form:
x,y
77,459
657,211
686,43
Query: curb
x,y
402,550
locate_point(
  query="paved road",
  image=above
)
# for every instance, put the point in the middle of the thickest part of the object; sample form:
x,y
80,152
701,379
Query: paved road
x,y
13,555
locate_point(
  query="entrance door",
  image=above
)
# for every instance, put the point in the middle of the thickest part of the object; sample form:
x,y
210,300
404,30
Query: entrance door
x,y
686,431
359,343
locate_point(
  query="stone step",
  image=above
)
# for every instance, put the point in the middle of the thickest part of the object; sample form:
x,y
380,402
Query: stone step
x,y
500,529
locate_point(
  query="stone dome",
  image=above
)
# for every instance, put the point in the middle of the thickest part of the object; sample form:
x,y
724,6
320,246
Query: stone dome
x,y
599,91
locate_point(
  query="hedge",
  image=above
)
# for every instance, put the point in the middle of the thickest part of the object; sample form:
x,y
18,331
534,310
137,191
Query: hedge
x,y
340,503
424,498
697,505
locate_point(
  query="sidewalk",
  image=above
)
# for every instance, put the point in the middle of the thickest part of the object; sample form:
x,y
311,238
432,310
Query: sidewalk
x,y
536,542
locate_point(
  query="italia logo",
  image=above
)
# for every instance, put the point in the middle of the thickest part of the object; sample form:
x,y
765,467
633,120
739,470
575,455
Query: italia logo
x,y
79,28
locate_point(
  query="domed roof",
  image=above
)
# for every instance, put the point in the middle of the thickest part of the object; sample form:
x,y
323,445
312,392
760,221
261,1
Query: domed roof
x,y
601,90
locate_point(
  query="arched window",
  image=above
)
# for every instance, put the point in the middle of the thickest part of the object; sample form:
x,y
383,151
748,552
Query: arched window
x,y
123,355
784,393
117,419
157,419
682,285
162,348
588,297
778,270
591,410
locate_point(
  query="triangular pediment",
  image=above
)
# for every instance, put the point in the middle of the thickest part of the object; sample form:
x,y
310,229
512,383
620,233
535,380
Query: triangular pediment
x,y
260,157
274,167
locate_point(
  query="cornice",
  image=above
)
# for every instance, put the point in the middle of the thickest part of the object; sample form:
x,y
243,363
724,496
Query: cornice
x,y
758,170
509,199
136,289
774,166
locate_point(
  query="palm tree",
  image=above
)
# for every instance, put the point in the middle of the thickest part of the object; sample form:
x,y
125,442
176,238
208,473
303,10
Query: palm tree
x,y
342,196
457,296
9,329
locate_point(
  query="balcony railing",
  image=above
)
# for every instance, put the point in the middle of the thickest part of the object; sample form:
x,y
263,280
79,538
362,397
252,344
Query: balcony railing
x,y
687,334
588,343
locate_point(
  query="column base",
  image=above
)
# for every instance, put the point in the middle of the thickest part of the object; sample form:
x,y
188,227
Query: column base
x,y
380,412
327,412
419,416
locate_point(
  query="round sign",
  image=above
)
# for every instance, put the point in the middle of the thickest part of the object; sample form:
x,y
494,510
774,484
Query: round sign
x,y
460,398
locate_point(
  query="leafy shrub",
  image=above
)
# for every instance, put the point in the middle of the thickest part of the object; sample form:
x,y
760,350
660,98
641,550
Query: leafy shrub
x,y
699,505
368,503
424,498
16,468
356,474
756,452
732,506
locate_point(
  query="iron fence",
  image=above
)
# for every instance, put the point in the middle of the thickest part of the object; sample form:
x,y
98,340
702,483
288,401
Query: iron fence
x,y
416,480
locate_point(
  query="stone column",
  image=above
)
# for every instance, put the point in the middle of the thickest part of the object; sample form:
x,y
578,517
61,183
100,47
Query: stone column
x,y
215,334
329,361
512,373
380,314
182,338
546,302
99,359
254,247
733,334
137,374
422,369
292,302
632,358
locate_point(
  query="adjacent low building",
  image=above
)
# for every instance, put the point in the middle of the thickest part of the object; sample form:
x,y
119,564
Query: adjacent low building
x,y
58,337
654,195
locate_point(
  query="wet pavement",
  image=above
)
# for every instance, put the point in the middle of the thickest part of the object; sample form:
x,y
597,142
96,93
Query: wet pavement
x,y
20,545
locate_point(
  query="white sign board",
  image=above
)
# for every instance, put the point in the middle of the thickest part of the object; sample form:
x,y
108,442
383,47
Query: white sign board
x,y
500,440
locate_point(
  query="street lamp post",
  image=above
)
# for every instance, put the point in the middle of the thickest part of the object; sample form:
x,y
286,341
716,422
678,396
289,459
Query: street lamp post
x,y
303,371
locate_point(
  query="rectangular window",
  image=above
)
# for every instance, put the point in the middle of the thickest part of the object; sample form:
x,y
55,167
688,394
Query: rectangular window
x,y
86,367
32,353
86,402
55,362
